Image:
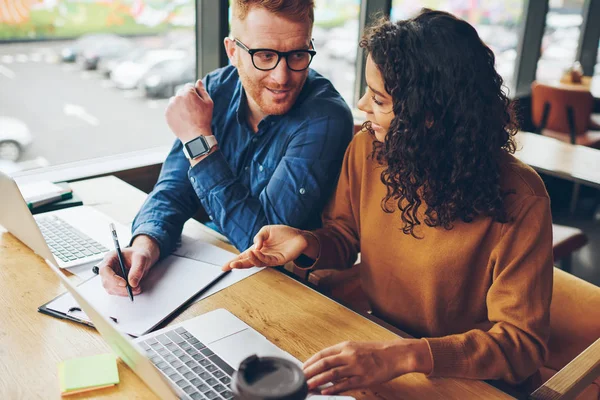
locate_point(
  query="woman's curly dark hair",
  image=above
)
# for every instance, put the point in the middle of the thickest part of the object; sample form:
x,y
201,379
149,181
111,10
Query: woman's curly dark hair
x,y
452,120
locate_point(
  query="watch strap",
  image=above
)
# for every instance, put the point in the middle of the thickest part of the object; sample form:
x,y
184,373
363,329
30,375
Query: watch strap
x,y
211,141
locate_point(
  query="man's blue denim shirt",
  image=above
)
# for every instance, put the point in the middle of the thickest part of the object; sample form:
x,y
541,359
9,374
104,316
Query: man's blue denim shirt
x,y
282,174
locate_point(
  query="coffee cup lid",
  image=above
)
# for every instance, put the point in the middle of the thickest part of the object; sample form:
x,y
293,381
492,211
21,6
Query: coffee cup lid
x,y
269,378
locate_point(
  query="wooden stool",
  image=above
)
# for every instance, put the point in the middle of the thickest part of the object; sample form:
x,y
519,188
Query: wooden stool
x,y
566,240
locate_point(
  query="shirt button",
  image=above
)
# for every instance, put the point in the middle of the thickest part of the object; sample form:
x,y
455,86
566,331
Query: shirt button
x,y
254,140
246,169
302,191
210,217
260,168
193,180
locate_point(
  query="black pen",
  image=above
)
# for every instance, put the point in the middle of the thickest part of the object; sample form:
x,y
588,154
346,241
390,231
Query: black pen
x,y
120,256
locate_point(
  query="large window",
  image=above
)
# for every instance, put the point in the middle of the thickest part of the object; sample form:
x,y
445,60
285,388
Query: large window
x,y
82,79
100,92
336,40
497,23
559,43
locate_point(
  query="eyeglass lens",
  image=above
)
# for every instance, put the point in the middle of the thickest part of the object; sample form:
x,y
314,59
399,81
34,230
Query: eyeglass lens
x,y
296,60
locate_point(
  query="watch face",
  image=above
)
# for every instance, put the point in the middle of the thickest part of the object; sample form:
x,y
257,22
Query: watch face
x,y
197,147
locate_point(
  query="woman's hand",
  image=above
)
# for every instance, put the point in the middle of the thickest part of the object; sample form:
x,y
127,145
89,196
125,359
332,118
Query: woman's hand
x,y
353,365
273,245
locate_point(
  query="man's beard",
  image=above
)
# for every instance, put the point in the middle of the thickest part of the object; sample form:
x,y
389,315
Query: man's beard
x,y
258,93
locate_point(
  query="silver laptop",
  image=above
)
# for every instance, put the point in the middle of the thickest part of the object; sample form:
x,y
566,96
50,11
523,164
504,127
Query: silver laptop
x,y
70,237
191,360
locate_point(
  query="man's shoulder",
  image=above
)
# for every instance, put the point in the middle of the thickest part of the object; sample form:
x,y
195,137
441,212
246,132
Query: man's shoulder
x,y
222,78
322,99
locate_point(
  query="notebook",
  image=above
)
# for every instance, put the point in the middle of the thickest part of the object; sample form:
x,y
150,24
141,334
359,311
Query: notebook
x,y
83,374
41,193
169,285
74,201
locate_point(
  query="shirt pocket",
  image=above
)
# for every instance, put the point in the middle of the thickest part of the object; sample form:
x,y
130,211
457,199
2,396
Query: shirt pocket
x,y
261,172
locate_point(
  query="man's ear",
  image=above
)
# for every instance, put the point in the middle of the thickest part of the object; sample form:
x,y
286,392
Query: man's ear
x,y
230,49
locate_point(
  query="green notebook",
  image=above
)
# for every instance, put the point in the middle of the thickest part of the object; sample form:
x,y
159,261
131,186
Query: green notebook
x,y
87,373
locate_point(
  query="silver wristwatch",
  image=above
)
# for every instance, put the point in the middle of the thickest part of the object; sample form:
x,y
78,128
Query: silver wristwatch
x,y
199,146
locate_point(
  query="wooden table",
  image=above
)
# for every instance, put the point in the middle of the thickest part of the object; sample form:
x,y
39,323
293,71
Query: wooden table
x,y
547,155
291,315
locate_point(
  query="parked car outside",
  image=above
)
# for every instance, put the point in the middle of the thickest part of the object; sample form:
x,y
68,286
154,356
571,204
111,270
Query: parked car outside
x,y
107,65
14,138
161,80
109,48
129,73
70,53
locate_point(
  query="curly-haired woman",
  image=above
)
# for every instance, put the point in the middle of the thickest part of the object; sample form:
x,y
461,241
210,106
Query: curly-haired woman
x,y
455,233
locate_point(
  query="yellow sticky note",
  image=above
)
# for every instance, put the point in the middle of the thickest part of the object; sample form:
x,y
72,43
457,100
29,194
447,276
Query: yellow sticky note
x,y
87,373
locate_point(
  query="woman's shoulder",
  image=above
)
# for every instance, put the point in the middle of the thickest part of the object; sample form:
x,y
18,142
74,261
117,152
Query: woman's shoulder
x,y
520,180
361,144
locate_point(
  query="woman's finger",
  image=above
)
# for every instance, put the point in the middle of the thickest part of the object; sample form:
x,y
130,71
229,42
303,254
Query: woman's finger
x,y
265,259
239,258
330,351
324,364
252,258
331,375
241,264
260,237
354,382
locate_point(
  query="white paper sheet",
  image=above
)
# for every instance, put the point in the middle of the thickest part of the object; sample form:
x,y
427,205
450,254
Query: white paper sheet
x,y
199,250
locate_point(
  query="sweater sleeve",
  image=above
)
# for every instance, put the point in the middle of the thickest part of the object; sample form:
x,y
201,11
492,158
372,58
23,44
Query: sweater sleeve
x,y
518,303
339,238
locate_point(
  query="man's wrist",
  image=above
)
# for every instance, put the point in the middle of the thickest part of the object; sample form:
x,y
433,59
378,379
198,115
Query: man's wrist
x,y
195,134
148,244
195,161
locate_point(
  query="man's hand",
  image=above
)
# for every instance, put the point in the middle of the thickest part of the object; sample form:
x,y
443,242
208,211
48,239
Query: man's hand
x,y
138,259
353,365
189,113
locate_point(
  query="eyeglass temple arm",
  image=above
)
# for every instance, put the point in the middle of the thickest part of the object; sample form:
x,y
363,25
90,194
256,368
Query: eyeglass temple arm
x,y
240,44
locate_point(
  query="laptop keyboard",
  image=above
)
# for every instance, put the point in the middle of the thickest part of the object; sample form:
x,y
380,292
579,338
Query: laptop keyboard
x,y
66,242
190,365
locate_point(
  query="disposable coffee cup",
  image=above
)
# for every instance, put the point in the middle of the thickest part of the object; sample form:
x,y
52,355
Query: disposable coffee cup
x,y
268,378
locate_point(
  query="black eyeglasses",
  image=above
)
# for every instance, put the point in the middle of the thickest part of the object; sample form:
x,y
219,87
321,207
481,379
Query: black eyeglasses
x,y
268,59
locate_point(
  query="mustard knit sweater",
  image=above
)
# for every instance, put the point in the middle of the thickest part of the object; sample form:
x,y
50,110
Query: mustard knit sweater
x,y
478,293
